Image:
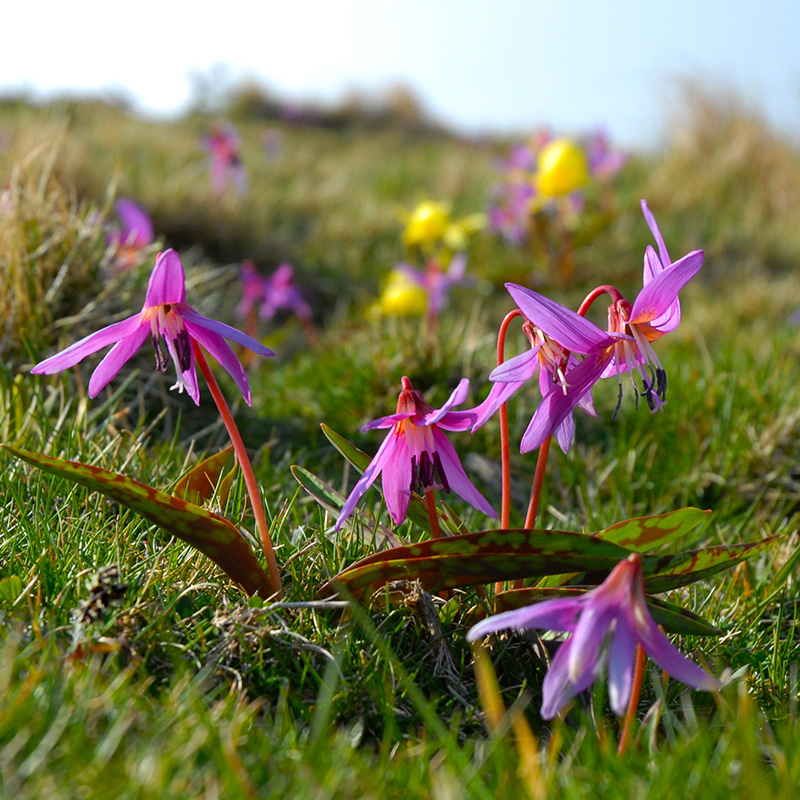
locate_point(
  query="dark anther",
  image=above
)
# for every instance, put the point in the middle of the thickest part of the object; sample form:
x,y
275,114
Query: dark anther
x,y
439,470
183,347
425,470
661,378
415,483
161,357
619,403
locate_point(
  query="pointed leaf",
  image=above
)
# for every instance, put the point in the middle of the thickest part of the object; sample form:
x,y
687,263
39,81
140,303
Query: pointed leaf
x,y
211,534
199,483
358,458
674,618
670,572
481,557
332,501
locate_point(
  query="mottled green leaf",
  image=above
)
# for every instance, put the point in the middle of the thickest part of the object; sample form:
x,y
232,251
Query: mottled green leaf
x,y
209,533
481,557
198,484
674,618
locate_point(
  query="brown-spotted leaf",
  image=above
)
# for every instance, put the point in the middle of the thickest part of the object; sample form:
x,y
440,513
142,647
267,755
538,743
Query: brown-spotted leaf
x,y
670,572
198,484
674,618
211,534
482,557
642,534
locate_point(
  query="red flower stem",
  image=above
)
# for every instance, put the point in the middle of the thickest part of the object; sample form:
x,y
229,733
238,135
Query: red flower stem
x,y
430,501
538,481
612,291
633,703
505,458
275,587
505,454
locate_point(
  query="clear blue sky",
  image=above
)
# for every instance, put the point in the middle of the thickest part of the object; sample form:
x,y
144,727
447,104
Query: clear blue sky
x,y
477,65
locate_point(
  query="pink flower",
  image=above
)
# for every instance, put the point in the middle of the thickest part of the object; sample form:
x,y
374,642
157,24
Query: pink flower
x,y
134,235
274,293
435,281
224,145
416,455
165,317
604,624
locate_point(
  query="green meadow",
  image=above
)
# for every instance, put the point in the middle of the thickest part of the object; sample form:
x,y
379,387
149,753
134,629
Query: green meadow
x,y
131,666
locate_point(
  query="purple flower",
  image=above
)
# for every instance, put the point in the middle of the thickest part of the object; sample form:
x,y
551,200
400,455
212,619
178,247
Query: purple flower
x,y
226,167
134,235
628,348
435,281
274,293
167,318
416,455
603,162
604,624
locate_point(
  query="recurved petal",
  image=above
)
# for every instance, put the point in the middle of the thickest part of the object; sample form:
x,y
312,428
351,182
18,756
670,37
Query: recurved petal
x,y
167,281
457,478
519,368
89,344
370,474
662,248
566,327
220,349
499,394
114,360
387,421
190,315
671,318
620,665
458,396
657,297
551,615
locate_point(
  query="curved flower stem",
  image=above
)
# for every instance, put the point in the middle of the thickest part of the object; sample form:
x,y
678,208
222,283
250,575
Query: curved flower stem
x,y
247,471
430,501
633,703
612,291
505,510
505,456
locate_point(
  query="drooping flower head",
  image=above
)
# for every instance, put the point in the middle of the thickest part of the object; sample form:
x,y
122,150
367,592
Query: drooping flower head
x,y
172,325
605,625
627,346
226,168
416,456
133,236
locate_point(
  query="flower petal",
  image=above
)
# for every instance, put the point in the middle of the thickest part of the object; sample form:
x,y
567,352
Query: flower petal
x,y
387,421
551,615
370,473
620,665
665,654
115,359
593,624
167,282
558,688
457,478
458,396
662,248
519,368
220,349
134,221
89,344
556,406
190,315
397,478
567,328
499,394
656,298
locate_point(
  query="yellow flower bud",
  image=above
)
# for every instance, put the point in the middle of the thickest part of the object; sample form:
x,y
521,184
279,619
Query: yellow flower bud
x,y
562,168
427,224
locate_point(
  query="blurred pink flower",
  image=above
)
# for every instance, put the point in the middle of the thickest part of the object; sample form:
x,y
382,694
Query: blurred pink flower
x,y
224,144
271,294
134,234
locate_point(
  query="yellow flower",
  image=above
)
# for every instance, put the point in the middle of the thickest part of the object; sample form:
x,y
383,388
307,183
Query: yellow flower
x,y
562,168
402,297
427,224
